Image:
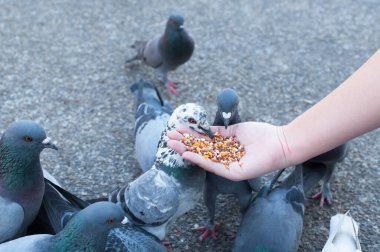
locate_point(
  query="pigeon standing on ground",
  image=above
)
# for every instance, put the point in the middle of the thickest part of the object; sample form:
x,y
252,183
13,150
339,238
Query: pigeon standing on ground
x,y
227,114
343,234
86,231
167,51
58,208
172,186
151,114
274,219
329,160
21,176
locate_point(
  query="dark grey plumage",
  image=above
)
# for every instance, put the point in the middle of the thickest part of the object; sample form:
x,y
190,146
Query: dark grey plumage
x,y
151,116
274,219
167,51
58,208
227,114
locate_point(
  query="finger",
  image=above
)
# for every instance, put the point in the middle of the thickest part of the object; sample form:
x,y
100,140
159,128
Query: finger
x,y
175,135
210,166
177,146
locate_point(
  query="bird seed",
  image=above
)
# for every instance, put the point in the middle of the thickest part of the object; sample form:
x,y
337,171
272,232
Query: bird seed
x,y
224,150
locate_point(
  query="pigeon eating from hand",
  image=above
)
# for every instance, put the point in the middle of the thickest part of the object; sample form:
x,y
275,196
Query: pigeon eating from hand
x,y
274,219
86,231
172,186
59,206
227,114
167,51
21,176
152,114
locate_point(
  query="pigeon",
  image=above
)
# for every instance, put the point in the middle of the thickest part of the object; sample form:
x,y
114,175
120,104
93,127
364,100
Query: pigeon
x,y
151,116
167,51
172,186
21,176
343,234
227,114
59,206
86,231
328,159
274,219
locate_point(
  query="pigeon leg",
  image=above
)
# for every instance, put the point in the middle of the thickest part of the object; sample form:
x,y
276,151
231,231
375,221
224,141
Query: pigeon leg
x,y
209,196
325,195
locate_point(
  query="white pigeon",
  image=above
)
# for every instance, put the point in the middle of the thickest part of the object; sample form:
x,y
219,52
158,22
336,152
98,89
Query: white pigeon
x,y
343,235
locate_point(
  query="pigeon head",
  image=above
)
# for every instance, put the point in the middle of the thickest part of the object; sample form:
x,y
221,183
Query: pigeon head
x,y
228,102
176,22
100,216
26,138
194,117
89,228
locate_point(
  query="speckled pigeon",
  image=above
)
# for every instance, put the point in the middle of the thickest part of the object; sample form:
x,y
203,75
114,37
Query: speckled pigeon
x,y
343,235
21,176
151,114
227,114
274,219
167,51
86,231
329,160
172,186
59,206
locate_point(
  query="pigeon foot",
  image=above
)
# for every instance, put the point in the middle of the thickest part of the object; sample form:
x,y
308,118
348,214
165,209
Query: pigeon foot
x,y
208,230
172,87
324,198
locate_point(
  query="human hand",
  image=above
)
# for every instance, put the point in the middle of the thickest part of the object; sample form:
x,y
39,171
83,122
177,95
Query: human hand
x,y
263,145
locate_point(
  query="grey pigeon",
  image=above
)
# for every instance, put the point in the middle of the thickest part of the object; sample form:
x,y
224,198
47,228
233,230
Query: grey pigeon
x,y
227,114
151,116
274,220
59,206
86,231
21,176
167,51
172,186
329,160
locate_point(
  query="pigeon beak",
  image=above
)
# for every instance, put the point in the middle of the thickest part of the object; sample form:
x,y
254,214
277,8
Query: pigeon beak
x,y
207,131
47,143
226,122
226,119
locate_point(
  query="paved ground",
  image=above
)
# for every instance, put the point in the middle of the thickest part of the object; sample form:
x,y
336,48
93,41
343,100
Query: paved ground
x,y
61,63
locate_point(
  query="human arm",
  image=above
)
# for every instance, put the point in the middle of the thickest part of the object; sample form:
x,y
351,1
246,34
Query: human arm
x,y
349,111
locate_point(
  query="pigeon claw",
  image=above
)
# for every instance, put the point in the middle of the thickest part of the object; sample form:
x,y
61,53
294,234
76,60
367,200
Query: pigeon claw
x,y
172,87
167,244
323,199
207,231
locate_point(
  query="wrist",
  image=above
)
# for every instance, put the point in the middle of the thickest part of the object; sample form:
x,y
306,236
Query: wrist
x,y
286,152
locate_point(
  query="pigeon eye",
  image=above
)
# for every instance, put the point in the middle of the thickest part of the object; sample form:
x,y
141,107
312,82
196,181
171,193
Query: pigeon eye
x,y
192,120
28,138
110,221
